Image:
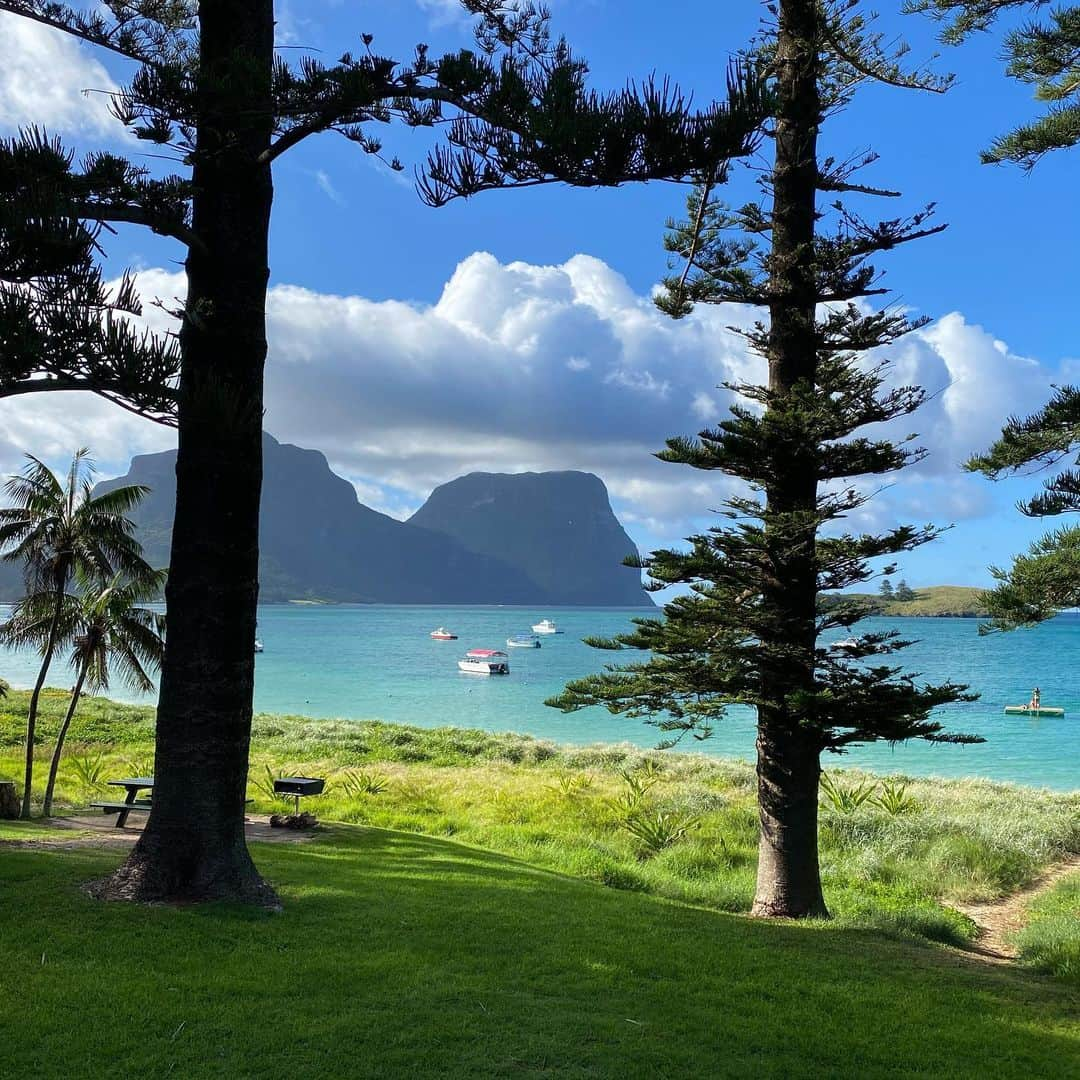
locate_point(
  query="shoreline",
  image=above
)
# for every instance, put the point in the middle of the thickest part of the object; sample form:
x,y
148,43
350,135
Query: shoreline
x,y
557,747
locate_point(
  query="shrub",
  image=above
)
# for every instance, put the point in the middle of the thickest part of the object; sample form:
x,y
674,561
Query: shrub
x,y
894,799
845,799
358,782
659,829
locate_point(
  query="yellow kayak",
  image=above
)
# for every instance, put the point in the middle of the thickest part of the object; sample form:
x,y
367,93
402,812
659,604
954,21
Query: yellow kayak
x,y
1027,710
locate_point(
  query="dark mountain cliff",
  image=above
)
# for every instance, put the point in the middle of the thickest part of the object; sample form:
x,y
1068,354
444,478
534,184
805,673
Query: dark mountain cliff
x,y
318,540
558,526
537,539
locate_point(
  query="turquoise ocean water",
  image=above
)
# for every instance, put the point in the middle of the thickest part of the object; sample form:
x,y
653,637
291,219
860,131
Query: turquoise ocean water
x,y
361,662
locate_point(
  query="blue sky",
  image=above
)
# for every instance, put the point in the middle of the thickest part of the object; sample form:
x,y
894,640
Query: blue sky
x,y
514,331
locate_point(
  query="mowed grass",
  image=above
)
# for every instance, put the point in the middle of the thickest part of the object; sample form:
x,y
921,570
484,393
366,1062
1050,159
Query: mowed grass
x,y
400,955
568,809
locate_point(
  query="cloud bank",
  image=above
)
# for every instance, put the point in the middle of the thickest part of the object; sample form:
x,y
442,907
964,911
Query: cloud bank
x,y
520,367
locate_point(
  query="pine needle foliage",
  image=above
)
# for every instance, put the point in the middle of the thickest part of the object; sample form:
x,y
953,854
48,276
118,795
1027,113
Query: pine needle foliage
x,y
61,327
802,450
1046,578
1043,53
214,97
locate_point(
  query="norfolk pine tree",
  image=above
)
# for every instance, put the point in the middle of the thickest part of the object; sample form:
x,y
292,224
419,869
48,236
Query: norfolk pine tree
x,y
1044,54
515,112
759,598
1047,578
61,327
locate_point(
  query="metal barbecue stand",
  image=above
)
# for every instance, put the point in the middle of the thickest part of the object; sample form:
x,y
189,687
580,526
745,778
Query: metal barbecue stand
x,y
298,786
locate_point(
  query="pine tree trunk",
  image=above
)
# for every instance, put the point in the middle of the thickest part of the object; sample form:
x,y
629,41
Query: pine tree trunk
x,y
58,750
789,883
32,711
788,880
193,845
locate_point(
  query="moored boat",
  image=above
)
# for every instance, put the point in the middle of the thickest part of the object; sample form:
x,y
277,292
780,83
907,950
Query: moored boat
x,y
442,634
523,641
844,646
545,626
485,662
258,645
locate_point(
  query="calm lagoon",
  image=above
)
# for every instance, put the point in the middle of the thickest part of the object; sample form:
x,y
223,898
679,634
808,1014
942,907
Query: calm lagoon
x,y
377,662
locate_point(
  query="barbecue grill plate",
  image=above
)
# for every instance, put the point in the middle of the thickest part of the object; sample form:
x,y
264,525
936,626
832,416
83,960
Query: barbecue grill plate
x,y
299,785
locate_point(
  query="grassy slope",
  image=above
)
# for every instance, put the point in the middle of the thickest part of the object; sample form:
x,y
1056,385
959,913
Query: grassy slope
x,y
402,955
937,600
557,808
1051,940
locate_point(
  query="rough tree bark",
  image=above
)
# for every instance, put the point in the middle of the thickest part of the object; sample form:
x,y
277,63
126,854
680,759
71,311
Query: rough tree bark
x,y
204,707
788,764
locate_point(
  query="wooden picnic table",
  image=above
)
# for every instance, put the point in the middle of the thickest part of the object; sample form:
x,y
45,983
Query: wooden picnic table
x,y
133,785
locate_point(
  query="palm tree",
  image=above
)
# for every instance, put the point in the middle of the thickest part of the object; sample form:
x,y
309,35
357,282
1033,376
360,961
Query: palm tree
x,y
57,530
107,629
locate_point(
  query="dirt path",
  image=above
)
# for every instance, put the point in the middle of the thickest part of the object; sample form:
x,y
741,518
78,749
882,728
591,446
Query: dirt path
x,y
99,831
999,919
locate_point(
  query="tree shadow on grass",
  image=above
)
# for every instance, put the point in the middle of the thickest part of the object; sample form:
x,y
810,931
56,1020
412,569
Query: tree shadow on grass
x,y
406,955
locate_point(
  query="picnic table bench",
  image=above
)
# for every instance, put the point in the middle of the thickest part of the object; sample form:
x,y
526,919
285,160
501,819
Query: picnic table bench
x,y
133,785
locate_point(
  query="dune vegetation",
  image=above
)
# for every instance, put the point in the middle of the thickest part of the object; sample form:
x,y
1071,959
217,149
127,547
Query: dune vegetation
x,y
895,851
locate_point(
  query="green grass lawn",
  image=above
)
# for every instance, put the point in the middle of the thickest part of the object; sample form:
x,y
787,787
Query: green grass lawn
x,y
565,809
406,955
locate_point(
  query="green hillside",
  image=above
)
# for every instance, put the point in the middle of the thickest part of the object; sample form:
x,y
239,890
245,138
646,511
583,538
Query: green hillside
x,y
938,600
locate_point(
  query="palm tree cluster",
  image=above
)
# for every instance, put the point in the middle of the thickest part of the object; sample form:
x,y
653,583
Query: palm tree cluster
x,y
86,580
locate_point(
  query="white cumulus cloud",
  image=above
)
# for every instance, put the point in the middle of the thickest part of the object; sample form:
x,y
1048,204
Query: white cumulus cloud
x,y
518,367
48,79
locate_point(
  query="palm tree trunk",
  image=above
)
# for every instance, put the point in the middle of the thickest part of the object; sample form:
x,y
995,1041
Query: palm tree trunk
x,y
54,765
31,714
193,846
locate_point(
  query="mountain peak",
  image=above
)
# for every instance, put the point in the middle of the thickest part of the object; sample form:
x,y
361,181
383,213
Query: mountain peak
x,y
551,537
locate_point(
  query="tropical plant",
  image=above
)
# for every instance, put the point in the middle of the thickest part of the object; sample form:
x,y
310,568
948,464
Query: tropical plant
x,y
638,783
659,829
264,783
359,782
571,784
845,799
111,631
88,770
894,799
57,531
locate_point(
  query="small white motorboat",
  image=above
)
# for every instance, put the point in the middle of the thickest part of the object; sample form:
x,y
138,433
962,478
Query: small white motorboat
x,y
485,662
844,646
442,634
523,641
258,645
546,626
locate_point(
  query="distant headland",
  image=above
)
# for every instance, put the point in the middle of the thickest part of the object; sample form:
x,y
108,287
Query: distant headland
x,y
939,601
